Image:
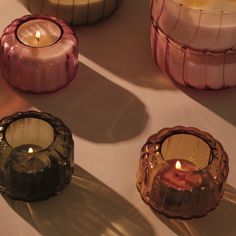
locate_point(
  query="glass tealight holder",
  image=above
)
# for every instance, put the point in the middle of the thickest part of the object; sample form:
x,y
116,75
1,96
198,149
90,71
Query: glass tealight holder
x,y
182,172
193,68
197,24
38,54
36,155
75,12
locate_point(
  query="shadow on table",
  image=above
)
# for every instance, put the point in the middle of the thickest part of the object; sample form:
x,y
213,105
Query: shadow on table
x,y
10,101
94,108
220,102
85,207
121,44
219,222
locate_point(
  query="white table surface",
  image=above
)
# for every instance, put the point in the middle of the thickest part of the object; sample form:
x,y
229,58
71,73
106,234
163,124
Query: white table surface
x,y
118,99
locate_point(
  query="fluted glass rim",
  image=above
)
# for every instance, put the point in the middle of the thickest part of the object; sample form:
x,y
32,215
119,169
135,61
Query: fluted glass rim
x,y
57,162
200,10
216,148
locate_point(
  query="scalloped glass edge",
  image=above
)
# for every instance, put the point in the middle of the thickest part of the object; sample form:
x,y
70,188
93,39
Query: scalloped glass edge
x,y
39,185
197,202
189,27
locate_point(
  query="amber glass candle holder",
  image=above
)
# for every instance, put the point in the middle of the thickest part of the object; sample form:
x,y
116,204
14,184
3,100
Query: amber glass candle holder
x,y
39,54
75,12
182,172
36,155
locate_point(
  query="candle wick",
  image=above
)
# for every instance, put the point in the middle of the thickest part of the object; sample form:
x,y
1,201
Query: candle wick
x,y
37,36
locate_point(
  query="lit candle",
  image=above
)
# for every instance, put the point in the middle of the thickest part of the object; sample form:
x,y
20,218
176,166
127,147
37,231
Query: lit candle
x,y
30,150
201,70
26,158
180,175
39,33
39,54
37,158
75,12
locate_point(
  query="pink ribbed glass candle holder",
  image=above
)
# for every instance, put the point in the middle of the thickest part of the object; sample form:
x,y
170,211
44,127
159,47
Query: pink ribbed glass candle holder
x,y
182,172
38,54
193,68
198,24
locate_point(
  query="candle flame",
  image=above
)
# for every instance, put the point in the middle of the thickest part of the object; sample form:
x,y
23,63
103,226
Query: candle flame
x,y
178,165
37,36
30,150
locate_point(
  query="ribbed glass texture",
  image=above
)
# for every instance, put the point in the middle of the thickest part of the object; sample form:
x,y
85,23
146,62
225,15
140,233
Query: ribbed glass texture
x,y
38,69
193,68
75,12
36,155
195,189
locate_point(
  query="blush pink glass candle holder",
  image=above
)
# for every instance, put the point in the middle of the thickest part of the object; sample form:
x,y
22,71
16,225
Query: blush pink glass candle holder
x,y
182,172
192,68
73,11
200,27
38,54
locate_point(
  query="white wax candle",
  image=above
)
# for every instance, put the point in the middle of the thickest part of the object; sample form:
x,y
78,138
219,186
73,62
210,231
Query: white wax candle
x,y
39,33
211,5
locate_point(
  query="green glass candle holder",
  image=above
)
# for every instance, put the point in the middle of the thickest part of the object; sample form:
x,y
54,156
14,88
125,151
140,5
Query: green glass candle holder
x,y
36,155
182,172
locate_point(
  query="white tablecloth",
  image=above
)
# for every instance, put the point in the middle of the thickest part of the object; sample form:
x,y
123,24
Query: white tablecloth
x,y
118,99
